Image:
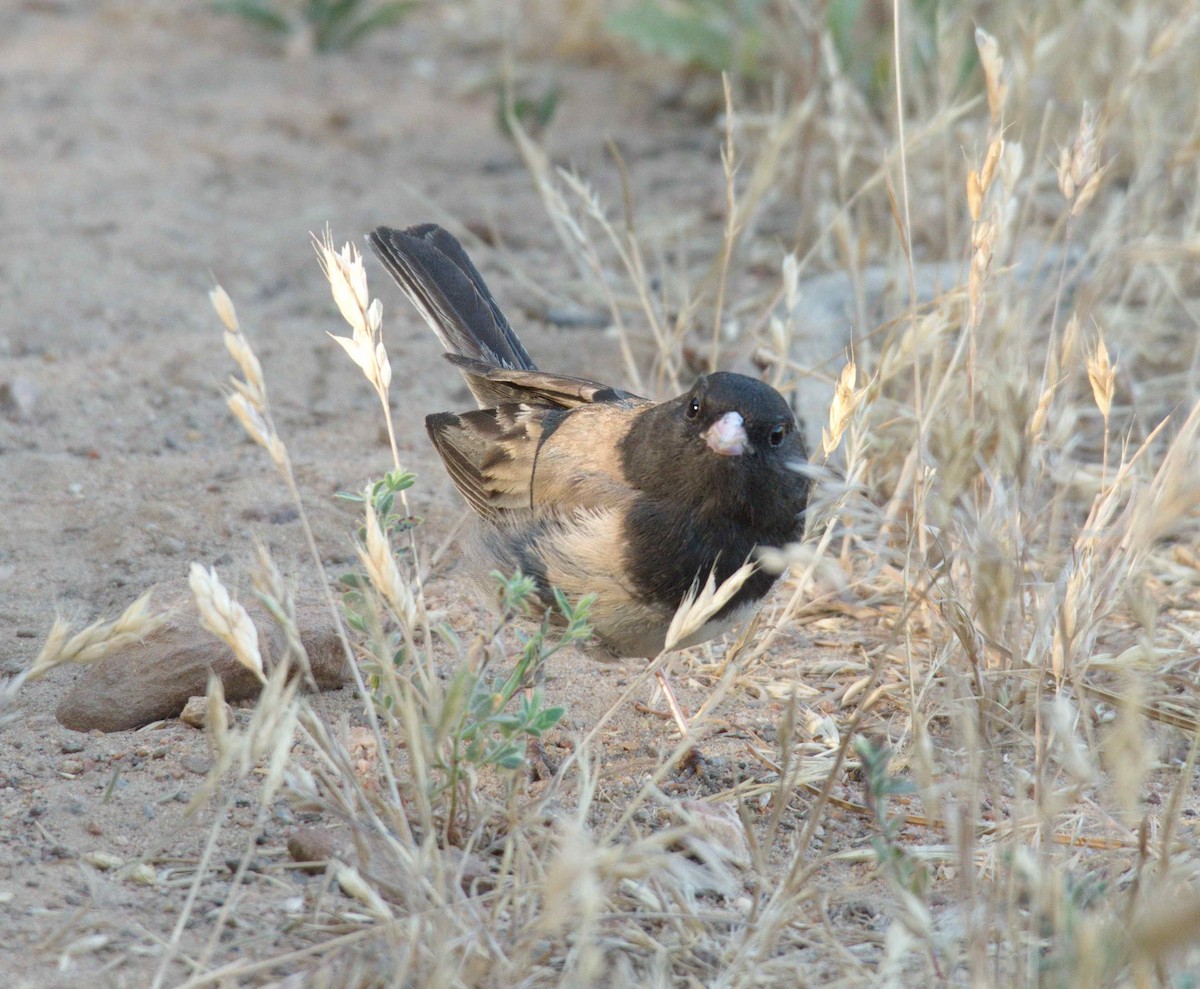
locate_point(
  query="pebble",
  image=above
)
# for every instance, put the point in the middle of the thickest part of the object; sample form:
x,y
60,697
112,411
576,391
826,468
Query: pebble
x,y
197,764
195,712
171,545
18,396
103,860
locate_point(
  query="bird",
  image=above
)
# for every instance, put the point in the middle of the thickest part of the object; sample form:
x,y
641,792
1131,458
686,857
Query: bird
x,y
587,488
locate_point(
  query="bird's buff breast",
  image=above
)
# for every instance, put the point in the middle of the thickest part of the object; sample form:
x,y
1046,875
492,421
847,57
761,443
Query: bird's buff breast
x,y
582,553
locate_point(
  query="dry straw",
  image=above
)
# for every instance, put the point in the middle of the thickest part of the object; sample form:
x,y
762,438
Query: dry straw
x,y
983,596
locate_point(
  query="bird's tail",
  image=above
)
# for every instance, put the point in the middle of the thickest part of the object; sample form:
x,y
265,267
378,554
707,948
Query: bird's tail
x,y
433,270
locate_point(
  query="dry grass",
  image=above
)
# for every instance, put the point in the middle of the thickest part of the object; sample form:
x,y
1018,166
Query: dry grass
x,y
989,781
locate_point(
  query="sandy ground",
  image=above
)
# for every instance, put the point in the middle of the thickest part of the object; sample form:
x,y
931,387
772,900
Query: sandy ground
x,y
147,148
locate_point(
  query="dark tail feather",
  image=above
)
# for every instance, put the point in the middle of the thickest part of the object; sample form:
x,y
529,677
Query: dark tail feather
x,y
433,270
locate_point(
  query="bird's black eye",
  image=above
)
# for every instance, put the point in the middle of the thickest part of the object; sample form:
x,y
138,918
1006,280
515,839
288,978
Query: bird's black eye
x,y
777,434
693,408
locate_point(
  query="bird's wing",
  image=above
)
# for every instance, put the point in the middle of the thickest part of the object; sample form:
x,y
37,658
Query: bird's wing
x,y
526,457
537,387
490,454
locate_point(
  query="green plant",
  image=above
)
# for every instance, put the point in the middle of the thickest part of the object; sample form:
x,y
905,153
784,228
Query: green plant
x,y
864,42
489,732
711,35
753,41
476,726
880,786
330,24
533,111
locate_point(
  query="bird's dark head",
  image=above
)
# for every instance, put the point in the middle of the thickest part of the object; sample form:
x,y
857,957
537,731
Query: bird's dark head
x,y
727,447
737,416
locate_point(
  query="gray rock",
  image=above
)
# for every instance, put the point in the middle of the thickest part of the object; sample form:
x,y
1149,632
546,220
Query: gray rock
x,y
833,309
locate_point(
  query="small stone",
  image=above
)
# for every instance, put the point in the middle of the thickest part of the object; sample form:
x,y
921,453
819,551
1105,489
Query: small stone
x,y
154,678
272,514
197,764
103,860
171,545
72,743
315,847
18,396
71,767
195,712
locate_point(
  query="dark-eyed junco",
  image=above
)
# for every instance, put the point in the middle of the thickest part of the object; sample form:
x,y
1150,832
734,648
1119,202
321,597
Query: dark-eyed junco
x,y
588,488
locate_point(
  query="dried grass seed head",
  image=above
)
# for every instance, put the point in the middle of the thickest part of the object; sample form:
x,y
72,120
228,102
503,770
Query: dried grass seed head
x,y
225,617
1102,375
98,640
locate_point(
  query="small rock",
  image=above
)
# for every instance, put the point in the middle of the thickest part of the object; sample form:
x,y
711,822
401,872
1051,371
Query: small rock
x,y
315,847
103,860
71,767
197,764
18,396
153,679
72,744
195,712
273,514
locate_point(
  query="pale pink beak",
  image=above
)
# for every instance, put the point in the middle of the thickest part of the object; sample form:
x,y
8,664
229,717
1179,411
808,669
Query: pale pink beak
x,y
727,436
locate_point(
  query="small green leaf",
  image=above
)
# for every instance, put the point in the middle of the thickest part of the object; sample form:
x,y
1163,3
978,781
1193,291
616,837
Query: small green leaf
x,y
512,760
546,720
255,12
681,34
385,16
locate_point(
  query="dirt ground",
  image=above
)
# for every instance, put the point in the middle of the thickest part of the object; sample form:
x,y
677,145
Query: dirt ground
x,y
149,147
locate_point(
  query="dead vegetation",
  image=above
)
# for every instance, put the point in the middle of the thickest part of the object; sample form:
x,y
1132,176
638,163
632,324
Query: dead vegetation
x,y
990,780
